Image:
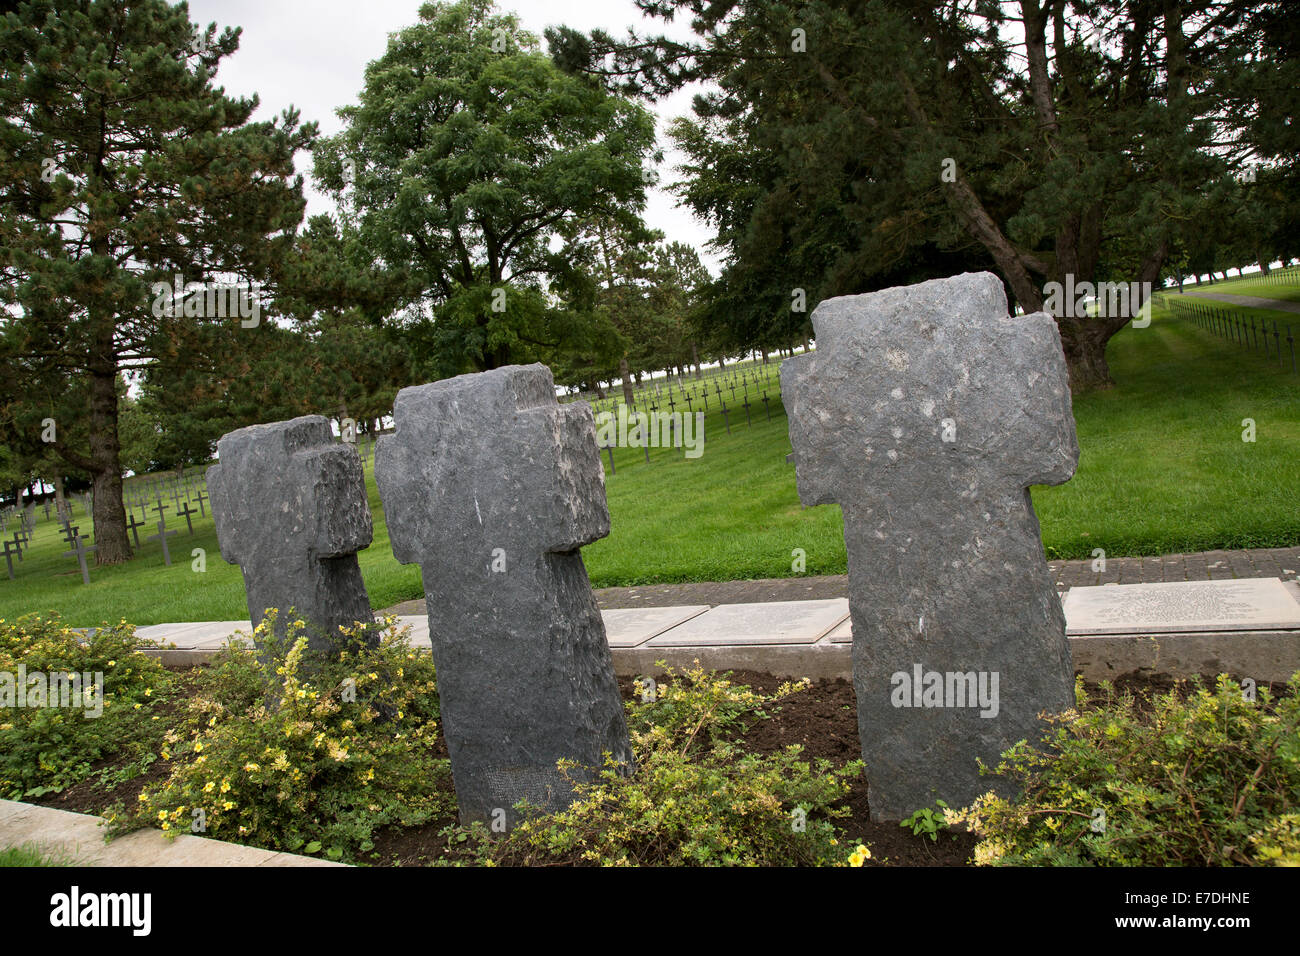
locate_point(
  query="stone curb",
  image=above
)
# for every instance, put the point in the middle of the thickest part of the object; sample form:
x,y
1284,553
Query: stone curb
x,y
63,834
1262,655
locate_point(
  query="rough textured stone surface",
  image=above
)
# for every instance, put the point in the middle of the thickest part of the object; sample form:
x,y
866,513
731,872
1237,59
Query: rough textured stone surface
x,y
290,509
492,487
946,565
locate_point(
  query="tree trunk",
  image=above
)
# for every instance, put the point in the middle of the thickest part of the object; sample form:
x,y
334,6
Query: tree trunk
x,y
627,382
1085,358
695,359
60,500
111,543
1263,263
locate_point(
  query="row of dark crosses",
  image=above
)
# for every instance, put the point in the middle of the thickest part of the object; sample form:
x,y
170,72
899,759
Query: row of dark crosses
x,y
14,547
1242,330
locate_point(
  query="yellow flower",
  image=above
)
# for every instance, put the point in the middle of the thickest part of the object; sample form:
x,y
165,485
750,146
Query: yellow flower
x,y
208,787
198,746
251,767
859,856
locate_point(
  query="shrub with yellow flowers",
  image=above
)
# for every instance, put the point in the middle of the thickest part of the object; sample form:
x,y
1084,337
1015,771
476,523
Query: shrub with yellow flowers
x,y
290,749
1197,777
46,748
698,797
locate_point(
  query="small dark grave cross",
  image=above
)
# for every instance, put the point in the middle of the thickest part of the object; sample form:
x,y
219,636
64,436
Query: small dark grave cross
x,y
17,543
185,512
80,550
290,509
926,413
47,509
132,525
161,537
492,488
767,408
160,507
746,404
10,551
68,532
200,498
725,420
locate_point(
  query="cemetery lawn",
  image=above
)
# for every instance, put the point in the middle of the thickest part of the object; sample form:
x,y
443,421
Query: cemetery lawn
x,y
1163,469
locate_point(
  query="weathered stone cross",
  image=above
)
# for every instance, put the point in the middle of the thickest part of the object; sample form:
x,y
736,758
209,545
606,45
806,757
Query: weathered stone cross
x,y
132,525
161,537
492,487
80,550
290,509
926,412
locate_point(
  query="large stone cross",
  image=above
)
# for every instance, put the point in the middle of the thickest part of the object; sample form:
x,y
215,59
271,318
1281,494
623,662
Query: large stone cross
x,y
492,487
290,508
926,413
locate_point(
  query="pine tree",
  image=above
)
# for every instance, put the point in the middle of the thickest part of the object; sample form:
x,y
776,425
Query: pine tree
x,y
122,166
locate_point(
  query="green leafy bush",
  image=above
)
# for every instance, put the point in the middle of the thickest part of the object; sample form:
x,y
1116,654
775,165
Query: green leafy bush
x,y
46,749
303,752
697,797
1203,778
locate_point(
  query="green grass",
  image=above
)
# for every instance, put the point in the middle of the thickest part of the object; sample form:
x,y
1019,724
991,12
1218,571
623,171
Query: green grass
x,y
26,856
1162,469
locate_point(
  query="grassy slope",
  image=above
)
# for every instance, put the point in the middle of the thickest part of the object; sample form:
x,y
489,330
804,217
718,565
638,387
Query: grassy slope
x,y
1163,468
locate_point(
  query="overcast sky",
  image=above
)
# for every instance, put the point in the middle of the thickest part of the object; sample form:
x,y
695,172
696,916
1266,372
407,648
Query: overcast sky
x,y
312,54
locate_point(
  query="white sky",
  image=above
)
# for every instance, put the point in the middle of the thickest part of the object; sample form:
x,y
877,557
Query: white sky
x,y
312,54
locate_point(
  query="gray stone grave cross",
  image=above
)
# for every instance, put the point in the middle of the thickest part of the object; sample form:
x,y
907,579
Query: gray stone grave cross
x,y
200,498
68,532
16,541
492,487
47,509
10,550
132,525
926,412
161,537
290,509
80,550
185,513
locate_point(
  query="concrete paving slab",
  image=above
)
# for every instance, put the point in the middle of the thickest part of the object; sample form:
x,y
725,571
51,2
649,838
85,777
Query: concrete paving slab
x,y
630,627
79,838
1250,604
777,622
842,634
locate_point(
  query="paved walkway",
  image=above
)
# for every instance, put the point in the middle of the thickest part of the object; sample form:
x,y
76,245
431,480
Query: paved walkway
x,y
1254,301
1200,566
78,839
1203,566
